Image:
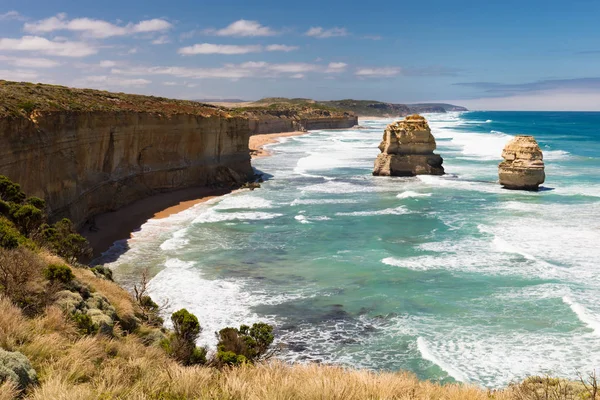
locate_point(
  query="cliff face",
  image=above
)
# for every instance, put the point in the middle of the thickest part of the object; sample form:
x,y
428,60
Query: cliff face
x,y
407,150
298,119
86,163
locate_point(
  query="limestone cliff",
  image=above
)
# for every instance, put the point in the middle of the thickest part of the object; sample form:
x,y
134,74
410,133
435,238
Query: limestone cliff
x,y
407,150
86,163
523,165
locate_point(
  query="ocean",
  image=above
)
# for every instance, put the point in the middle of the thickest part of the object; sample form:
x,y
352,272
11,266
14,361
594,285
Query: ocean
x,y
451,277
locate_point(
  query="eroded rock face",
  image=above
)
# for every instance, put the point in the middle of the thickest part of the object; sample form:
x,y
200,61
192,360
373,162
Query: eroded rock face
x,y
407,150
523,165
87,163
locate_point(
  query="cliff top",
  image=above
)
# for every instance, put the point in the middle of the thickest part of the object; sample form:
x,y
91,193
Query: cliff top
x,y
22,98
371,108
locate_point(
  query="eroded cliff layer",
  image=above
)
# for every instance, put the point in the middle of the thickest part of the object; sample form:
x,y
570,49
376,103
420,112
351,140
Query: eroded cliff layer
x,y
523,165
86,163
407,150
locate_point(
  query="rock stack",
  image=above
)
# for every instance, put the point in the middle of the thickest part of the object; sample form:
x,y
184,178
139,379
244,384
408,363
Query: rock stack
x,y
407,150
523,165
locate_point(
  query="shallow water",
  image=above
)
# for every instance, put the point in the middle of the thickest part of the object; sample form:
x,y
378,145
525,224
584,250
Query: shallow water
x,y
451,277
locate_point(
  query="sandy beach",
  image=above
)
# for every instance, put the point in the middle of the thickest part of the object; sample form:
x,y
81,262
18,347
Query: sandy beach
x,y
118,225
257,142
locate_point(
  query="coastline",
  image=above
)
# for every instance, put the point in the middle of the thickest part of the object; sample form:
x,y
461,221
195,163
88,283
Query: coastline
x,y
118,225
257,142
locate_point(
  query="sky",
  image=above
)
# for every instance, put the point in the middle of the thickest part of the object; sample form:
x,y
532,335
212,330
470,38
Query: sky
x,y
490,55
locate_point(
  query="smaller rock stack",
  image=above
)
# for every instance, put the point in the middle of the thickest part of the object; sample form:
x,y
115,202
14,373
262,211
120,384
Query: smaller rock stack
x,y
523,165
407,150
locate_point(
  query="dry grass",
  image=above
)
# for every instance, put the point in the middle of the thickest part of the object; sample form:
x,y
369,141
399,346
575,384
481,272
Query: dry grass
x,y
71,367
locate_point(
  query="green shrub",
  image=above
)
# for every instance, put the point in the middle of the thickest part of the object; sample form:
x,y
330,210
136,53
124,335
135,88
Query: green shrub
x,y
250,342
27,217
104,272
16,367
230,358
4,208
65,241
36,202
10,191
181,345
27,106
10,237
85,324
59,273
186,325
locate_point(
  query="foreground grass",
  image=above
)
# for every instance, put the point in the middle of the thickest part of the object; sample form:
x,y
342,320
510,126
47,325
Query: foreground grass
x,y
72,366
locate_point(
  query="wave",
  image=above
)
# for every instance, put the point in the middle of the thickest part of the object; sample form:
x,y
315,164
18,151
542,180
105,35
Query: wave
x,y
297,202
429,356
388,211
242,202
176,242
211,215
410,194
583,314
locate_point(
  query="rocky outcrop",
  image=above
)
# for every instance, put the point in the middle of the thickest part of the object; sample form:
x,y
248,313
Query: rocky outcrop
x,y
523,165
407,150
89,162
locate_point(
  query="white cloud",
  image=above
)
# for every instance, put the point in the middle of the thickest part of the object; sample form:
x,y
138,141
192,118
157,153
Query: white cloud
x,y
12,15
321,33
29,62
372,37
229,49
161,40
547,100
243,28
107,64
251,69
336,67
170,83
378,72
294,68
104,81
94,27
45,46
281,47
208,48
297,76
18,75
151,25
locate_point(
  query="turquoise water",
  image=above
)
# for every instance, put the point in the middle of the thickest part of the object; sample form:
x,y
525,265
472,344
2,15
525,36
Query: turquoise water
x,y
450,277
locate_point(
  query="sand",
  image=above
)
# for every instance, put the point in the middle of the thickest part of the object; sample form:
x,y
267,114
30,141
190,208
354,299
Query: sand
x,y
257,142
118,225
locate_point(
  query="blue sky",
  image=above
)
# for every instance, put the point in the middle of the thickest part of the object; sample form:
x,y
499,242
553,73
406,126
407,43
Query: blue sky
x,y
485,55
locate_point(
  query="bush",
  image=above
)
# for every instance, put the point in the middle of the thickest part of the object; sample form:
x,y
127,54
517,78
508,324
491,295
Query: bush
x,y
181,345
59,273
85,324
16,367
4,208
10,191
36,202
251,343
104,272
10,237
27,217
21,278
65,241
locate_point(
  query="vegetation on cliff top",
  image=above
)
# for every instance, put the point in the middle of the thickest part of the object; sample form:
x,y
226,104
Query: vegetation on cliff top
x,y
23,98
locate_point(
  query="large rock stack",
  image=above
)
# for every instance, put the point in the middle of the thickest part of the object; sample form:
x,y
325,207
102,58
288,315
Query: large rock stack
x,y
407,150
523,165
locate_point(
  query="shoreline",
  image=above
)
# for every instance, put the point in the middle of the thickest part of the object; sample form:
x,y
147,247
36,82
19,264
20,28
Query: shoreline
x,y
257,142
118,225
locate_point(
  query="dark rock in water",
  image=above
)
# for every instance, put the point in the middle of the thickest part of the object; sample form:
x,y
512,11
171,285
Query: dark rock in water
x,y
407,150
